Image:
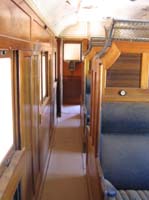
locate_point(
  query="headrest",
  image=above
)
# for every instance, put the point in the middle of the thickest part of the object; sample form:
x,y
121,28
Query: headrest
x,y
123,117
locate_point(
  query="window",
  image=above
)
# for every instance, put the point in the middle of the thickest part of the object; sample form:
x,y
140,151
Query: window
x,y
44,76
72,51
44,84
6,107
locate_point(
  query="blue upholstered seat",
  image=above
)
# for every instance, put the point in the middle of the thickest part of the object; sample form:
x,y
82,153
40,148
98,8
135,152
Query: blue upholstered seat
x,y
87,104
87,99
124,145
88,85
125,118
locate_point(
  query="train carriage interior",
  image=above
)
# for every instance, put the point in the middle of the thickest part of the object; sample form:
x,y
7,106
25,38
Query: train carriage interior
x,y
74,100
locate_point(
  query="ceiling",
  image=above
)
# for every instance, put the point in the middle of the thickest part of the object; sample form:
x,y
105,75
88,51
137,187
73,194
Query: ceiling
x,y
86,18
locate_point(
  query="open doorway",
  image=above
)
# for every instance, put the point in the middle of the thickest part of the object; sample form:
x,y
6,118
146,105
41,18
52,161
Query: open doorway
x,y
72,71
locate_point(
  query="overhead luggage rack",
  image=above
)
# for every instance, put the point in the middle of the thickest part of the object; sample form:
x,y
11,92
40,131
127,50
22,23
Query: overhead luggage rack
x,y
95,42
130,30
126,30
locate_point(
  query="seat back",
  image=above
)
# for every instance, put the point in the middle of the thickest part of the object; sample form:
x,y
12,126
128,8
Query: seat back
x,y
124,144
88,98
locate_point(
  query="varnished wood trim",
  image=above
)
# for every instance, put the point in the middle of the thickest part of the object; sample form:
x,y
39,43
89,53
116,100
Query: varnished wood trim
x,y
132,47
12,176
43,107
145,71
92,53
7,159
132,95
111,56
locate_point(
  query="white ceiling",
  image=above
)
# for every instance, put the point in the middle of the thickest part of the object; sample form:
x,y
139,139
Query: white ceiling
x,y
86,17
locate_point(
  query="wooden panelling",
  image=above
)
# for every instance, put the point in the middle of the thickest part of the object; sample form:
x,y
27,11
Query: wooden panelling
x,y
12,176
72,84
125,72
76,72
84,45
72,90
132,47
145,71
25,120
93,52
25,6
92,173
12,44
132,94
44,135
110,56
34,92
22,30
14,21
39,33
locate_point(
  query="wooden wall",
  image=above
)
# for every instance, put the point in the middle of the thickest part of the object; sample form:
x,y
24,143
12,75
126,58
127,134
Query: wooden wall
x,y
72,84
27,36
125,72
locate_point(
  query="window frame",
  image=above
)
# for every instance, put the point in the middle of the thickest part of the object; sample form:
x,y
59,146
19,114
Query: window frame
x,y
7,158
44,97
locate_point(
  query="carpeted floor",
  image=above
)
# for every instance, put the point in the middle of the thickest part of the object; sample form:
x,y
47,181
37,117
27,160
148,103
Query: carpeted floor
x,y
66,174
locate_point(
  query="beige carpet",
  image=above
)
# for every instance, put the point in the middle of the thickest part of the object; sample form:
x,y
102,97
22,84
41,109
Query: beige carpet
x,y
66,174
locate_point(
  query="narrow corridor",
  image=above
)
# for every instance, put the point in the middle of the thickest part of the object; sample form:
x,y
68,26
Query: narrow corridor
x,y
66,178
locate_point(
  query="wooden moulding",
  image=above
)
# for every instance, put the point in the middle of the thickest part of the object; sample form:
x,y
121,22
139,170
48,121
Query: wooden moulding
x,y
132,47
132,95
12,176
145,71
93,52
111,56
93,176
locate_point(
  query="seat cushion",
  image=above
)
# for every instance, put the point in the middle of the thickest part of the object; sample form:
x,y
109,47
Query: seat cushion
x,y
125,160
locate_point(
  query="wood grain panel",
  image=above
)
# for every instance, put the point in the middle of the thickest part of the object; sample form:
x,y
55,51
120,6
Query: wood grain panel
x,y
25,120
132,46
25,6
12,176
14,21
76,72
92,174
132,94
72,90
34,92
93,52
125,72
44,136
39,32
145,71
111,56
